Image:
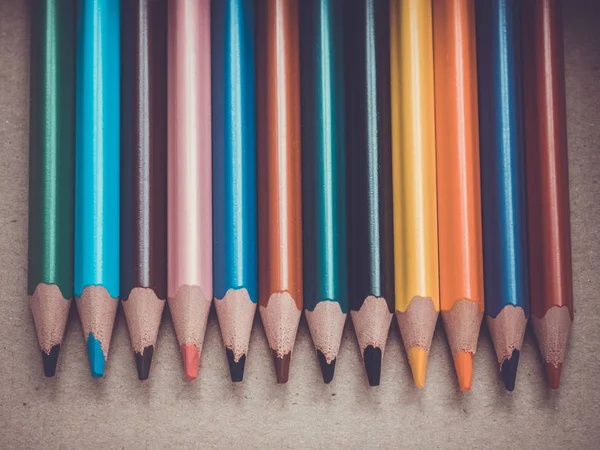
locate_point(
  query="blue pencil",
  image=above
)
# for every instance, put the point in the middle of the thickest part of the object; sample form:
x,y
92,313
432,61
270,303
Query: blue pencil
x,y
234,177
503,180
97,174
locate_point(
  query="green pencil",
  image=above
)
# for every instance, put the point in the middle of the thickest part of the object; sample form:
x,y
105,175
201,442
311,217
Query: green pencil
x,y
51,150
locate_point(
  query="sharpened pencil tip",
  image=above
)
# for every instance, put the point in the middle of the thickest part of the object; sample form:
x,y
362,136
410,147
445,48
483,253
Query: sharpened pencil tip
x,y
96,356
143,361
236,368
509,370
327,369
463,362
282,367
190,361
417,357
372,359
553,374
49,360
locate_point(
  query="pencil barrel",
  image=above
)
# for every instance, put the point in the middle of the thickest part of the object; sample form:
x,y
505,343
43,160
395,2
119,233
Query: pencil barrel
x,y
369,152
502,156
323,153
547,159
52,145
234,148
457,153
413,153
278,149
189,177
144,147
97,156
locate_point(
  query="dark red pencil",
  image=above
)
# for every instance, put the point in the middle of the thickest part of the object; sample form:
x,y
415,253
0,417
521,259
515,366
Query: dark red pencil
x,y
551,282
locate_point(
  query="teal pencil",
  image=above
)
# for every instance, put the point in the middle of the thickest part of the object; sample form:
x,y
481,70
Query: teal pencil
x,y
323,210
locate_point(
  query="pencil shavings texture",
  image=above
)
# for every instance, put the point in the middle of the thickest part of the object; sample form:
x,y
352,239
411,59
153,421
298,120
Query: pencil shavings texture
x,y
462,324
236,313
372,323
552,332
143,311
507,330
97,310
417,323
280,318
189,310
50,311
326,324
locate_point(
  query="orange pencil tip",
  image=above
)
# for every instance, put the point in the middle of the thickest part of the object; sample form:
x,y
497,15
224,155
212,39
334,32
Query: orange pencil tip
x,y
553,374
463,362
190,361
417,357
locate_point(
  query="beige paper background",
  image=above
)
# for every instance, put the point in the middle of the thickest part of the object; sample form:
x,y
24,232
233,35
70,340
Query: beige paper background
x,y
74,411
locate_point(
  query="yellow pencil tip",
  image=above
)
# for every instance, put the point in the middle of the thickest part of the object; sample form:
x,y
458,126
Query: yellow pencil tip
x,y
463,362
417,357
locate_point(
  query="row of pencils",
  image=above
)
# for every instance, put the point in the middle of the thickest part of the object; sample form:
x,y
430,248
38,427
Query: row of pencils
x,y
364,156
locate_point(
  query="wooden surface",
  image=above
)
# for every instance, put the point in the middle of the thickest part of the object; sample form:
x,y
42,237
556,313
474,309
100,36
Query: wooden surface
x,y
50,413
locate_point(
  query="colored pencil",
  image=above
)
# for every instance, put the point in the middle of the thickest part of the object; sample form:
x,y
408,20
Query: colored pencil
x,y
97,174
369,178
459,189
189,176
323,177
234,172
143,173
551,281
502,180
414,179
51,156
279,177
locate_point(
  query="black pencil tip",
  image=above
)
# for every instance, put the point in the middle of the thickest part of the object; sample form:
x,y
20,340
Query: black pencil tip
x,y
372,359
327,369
49,360
143,361
509,370
236,369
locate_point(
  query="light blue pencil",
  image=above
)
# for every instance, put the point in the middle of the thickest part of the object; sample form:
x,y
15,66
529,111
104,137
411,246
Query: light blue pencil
x,y
97,174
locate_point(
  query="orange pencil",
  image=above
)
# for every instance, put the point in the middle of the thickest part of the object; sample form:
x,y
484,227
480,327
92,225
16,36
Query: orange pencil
x,y
279,177
459,192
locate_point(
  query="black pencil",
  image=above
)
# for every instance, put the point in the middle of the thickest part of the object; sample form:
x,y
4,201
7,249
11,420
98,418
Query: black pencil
x,y
369,177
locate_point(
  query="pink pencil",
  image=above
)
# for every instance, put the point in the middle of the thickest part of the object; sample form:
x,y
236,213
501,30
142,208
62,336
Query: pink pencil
x,y
190,288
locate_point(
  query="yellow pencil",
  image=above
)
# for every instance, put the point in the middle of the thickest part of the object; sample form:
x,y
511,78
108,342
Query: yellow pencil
x,y
414,179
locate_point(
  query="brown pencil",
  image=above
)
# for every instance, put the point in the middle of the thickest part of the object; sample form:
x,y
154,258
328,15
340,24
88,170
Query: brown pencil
x,y
279,177
551,284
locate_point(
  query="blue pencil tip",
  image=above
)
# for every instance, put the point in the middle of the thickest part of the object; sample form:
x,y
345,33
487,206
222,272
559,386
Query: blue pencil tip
x,y
96,356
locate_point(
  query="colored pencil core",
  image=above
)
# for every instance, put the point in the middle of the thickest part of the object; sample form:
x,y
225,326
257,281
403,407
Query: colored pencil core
x,y
463,362
417,357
